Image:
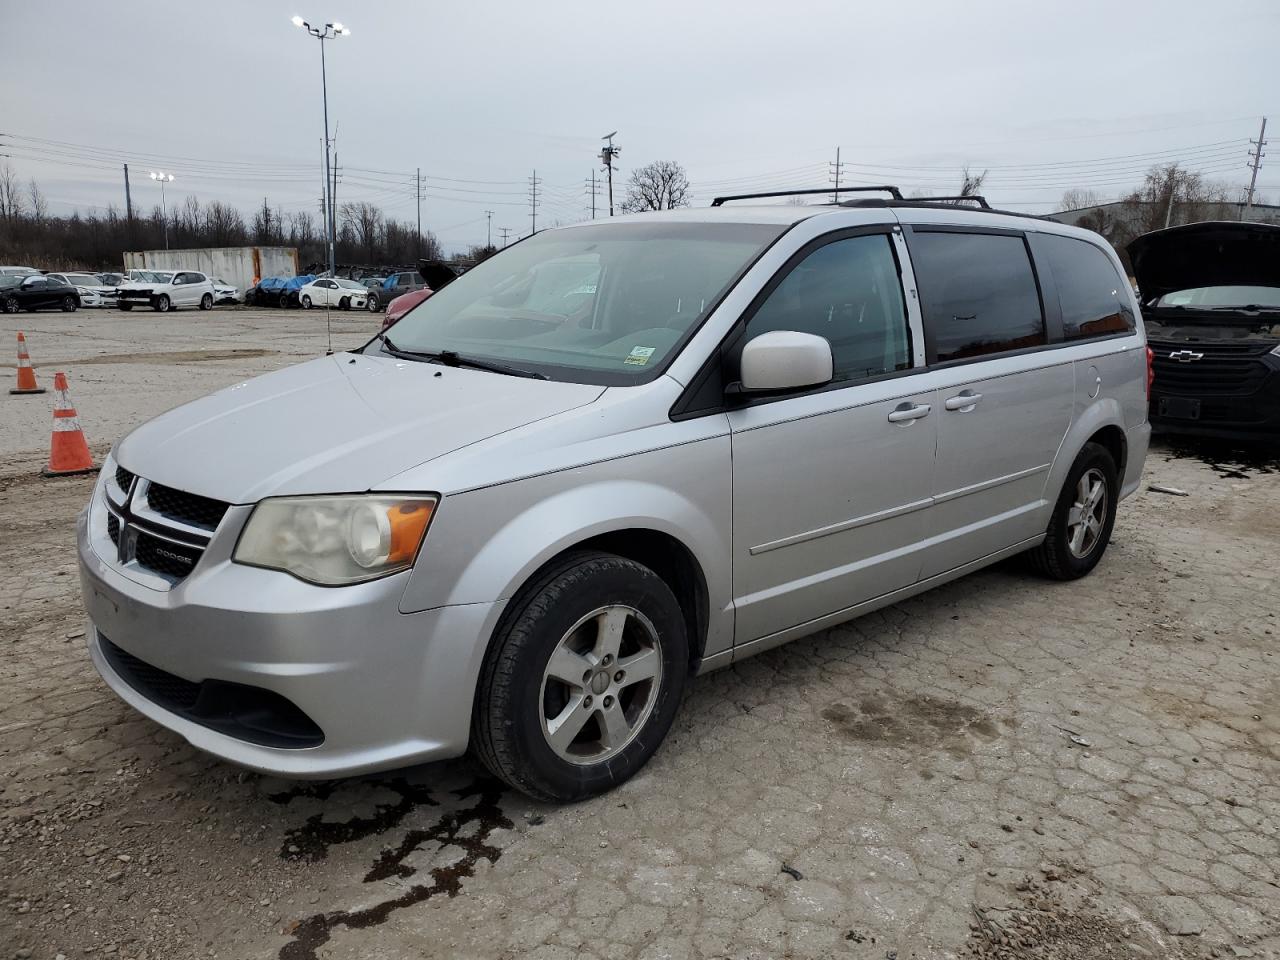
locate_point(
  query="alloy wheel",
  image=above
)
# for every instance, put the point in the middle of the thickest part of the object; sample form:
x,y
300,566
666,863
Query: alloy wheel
x,y
1088,513
600,684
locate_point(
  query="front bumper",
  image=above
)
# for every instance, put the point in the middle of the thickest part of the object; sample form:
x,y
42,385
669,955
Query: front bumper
x,y
386,689
1241,415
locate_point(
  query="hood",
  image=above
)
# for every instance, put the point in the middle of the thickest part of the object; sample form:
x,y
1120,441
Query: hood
x,y
340,424
1210,254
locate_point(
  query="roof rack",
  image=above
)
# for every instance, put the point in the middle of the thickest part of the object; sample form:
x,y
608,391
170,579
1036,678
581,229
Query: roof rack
x,y
892,191
970,197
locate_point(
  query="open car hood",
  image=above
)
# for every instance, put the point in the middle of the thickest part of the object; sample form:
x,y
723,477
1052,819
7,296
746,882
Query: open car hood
x,y
1209,254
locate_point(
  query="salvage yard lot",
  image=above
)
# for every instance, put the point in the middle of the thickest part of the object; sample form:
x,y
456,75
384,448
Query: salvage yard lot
x,y
1001,767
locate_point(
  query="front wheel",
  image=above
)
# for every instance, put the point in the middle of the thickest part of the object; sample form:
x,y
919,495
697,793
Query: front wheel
x,y
206,302
306,302
344,303
1083,517
161,303
582,680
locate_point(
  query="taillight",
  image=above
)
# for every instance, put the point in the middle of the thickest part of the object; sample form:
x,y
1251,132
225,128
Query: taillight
x,y
1151,370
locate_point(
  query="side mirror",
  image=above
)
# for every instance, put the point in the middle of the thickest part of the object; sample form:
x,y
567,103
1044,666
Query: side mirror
x,y
785,360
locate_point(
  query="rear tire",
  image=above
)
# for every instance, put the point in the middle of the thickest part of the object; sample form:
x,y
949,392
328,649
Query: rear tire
x,y
11,305
69,304
372,304
1082,518
590,618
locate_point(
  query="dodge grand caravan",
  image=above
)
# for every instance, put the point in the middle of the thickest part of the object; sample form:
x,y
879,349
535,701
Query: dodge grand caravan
x,y
611,457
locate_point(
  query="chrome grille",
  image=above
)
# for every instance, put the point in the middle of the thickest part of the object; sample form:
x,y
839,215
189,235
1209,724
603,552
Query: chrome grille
x,y
159,529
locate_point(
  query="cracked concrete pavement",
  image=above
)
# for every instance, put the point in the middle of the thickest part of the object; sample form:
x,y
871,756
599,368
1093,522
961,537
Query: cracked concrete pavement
x,y
1001,767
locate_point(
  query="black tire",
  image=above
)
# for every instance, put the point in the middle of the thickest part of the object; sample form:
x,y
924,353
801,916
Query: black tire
x,y
306,302
1054,558
206,302
11,305
344,303
506,728
284,300
69,304
161,303
125,306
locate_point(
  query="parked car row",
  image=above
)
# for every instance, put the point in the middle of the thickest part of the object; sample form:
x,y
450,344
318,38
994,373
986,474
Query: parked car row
x,y
26,288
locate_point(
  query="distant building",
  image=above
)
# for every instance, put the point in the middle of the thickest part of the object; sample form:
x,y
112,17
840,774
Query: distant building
x,y
1133,215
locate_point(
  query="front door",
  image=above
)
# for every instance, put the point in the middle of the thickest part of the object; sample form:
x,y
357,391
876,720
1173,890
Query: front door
x,y
831,486
1004,403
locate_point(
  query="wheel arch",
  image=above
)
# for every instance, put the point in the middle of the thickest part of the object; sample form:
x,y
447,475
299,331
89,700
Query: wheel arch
x,y
1101,422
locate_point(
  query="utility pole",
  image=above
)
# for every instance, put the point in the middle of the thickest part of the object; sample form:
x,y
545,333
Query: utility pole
x,y
593,190
128,200
489,241
333,210
417,185
506,232
834,171
1255,162
533,203
607,155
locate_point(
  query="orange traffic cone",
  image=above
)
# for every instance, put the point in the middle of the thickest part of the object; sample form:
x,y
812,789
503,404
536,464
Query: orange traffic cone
x,y
26,375
68,452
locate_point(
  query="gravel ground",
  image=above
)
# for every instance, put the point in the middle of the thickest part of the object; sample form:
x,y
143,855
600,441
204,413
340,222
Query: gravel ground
x,y
1003,767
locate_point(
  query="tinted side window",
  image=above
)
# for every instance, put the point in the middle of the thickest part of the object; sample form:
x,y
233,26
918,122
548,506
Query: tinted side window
x,y
978,292
849,292
1094,302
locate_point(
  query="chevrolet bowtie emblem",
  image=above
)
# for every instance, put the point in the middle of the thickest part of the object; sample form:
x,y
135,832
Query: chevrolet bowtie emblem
x,y
1185,356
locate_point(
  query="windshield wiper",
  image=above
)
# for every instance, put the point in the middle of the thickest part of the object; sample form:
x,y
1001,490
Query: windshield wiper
x,y
1247,308
451,358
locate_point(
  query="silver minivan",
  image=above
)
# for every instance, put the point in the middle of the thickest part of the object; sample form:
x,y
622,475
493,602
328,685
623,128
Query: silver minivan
x,y
611,457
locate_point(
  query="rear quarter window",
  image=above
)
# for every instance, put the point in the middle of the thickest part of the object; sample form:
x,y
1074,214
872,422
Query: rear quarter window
x,y
1091,293
978,292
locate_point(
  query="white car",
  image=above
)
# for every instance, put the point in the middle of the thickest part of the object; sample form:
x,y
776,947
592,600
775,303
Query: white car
x,y
164,290
93,292
224,292
328,292
12,271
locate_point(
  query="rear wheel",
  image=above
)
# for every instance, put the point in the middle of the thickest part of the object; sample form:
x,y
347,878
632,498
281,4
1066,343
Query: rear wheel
x,y
69,304
1082,518
371,304
161,303
206,302
583,678
11,305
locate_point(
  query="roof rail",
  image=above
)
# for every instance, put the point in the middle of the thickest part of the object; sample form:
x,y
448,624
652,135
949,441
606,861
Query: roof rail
x,y
970,197
892,191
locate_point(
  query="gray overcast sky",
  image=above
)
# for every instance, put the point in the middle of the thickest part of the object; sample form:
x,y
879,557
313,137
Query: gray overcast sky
x,y
747,95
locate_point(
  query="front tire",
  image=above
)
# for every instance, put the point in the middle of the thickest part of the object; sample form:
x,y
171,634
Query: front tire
x,y
161,303
344,303
206,302
306,302
582,680
1082,519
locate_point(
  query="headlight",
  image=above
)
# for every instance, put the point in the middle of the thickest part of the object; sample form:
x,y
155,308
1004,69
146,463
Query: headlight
x,y
333,541
1276,352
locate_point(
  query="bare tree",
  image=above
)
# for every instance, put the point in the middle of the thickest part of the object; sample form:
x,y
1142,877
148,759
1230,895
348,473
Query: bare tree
x,y
971,183
11,201
1078,198
1170,195
661,185
365,221
35,198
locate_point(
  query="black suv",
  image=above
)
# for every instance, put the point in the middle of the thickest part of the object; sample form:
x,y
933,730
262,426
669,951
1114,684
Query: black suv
x,y
1211,295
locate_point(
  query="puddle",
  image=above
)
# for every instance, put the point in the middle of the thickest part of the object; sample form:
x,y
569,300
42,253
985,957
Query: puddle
x,y
1229,460
913,721
468,818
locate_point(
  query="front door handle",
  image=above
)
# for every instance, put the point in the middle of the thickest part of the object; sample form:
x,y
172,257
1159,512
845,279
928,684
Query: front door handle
x,y
964,402
906,412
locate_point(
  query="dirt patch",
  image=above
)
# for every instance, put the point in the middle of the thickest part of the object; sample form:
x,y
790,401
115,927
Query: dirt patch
x,y
169,357
913,721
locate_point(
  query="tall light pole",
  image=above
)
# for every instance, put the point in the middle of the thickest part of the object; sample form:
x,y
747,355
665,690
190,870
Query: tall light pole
x,y
164,213
328,32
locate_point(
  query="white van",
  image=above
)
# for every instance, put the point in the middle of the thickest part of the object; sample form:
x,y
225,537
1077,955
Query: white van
x,y
521,518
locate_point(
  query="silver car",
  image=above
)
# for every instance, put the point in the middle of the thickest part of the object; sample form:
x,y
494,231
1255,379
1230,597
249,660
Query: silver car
x,y
611,457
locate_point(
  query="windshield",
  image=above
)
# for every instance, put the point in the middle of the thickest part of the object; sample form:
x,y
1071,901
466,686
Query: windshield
x,y
7,280
110,278
604,304
352,285
1234,296
83,280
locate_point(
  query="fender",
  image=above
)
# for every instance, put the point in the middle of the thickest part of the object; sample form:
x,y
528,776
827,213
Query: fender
x,y
1102,412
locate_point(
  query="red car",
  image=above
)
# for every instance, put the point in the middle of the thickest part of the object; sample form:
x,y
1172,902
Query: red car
x,y
435,274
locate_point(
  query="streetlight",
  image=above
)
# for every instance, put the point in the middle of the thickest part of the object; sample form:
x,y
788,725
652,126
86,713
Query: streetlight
x,y
164,214
328,32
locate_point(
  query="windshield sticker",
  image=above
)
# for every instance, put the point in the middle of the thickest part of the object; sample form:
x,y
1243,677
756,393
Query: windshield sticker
x,y
639,356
